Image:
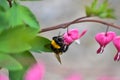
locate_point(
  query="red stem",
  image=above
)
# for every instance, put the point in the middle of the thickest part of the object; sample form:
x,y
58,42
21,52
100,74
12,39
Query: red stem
x,y
79,20
106,30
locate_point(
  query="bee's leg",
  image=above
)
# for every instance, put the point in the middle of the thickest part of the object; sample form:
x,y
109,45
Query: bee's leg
x,y
65,48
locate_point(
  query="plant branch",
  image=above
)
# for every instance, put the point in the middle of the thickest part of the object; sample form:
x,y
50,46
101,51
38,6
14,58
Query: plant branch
x,y
10,3
79,20
64,25
101,22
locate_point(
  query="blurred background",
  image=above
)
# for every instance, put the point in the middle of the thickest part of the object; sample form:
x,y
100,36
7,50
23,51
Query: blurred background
x,y
81,59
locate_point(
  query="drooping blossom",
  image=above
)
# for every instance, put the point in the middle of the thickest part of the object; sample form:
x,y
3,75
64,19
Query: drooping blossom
x,y
116,42
3,77
74,77
103,39
72,35
35,72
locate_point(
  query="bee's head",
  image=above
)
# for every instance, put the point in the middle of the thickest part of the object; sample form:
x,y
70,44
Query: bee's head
x,y
58,40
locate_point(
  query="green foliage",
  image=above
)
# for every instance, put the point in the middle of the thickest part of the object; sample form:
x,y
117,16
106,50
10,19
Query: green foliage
x,y
19,14
15,62
17,74
3,18
18,36
4,22
103,10
17,27
3,5
16,39
15,16
9,62
25,59
40,44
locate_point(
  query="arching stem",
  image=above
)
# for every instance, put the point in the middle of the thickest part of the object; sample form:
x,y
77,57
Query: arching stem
x,y
79,20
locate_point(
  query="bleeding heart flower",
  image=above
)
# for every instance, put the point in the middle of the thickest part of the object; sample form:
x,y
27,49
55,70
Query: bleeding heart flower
x,y
3,77
116,42
35,72
103,39
72,35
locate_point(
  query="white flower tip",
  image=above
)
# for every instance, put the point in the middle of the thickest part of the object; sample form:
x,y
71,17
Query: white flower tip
x,y
77,41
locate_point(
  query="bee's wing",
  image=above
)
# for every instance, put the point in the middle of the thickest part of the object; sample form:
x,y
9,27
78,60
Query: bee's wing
x,y
57,55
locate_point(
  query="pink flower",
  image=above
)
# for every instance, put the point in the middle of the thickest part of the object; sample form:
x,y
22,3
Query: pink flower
x,y
3,77
116,42
72,35
35,72
103,39
74,77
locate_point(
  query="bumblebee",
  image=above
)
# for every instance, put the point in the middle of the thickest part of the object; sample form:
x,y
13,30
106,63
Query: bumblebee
x,y
58,46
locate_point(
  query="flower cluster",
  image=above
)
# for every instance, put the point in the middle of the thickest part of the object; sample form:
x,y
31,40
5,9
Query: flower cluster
x,y
104,38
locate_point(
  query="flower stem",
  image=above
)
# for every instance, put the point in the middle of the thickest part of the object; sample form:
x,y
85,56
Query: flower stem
x,y
106,30
79,20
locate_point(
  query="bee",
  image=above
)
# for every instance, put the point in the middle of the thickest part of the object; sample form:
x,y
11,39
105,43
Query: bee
x,y
58,46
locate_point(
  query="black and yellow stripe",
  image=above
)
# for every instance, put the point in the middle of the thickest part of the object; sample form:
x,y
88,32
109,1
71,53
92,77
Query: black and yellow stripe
x,y
55,45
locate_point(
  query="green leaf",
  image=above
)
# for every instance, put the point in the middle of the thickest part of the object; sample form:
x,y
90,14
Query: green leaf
x,y
40,44
18,74
1,9
102,15
26,59
3,22
19,14
6,61
4,5
103,7
3,19
94,4
28,17
15,40
15,16
103,10
88,11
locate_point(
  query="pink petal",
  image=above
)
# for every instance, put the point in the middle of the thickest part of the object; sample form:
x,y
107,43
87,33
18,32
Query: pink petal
x,y
100,50
74,33
82,33
116,42
117,57
35,72
74,77
67,39
3,77
104,39
110,36
99,38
